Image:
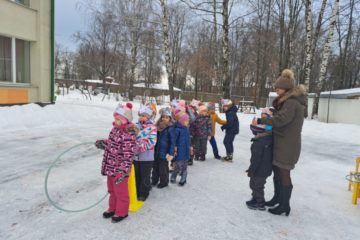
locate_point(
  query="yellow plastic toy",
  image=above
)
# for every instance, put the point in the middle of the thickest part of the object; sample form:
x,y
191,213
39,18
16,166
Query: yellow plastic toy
x,y
356,192
135,205
354,181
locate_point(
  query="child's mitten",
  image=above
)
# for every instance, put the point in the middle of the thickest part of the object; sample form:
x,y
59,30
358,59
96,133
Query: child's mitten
x,y
100,144
169,157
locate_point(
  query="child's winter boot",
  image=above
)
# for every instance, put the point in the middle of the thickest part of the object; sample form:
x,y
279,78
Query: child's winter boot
x,y
228,158
183,179
161,185
116,219
252,200
256,205
108,214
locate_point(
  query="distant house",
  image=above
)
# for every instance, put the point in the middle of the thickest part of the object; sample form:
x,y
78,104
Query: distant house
x,y
340,106
26,51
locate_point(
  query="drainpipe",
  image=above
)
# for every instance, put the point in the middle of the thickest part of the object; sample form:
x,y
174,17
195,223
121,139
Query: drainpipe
x,y
52,54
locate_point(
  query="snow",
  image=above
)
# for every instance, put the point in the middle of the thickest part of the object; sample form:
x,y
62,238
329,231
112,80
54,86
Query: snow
x,y
273,94
210,206
159,86
100,81
345,93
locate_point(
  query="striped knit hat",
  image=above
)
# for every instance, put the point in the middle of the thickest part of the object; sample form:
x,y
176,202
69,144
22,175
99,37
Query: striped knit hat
x,y
146,110
166,111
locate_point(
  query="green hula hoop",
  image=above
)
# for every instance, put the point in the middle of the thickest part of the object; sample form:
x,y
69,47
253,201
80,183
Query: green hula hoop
x,y
54,204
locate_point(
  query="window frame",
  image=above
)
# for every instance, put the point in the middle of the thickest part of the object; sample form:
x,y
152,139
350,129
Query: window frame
x,y
21,4
14,65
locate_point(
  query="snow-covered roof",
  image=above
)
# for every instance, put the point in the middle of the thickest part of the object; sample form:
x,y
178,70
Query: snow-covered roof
x,y
93,81
157,86
341,94
98,81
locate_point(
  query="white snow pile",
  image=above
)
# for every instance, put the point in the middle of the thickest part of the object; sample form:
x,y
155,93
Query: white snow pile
x,y
210,206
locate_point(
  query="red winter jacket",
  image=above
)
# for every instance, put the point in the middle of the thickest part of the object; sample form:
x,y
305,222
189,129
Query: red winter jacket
x,y
119,152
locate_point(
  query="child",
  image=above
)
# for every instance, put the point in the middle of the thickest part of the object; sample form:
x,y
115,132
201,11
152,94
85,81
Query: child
x,y
146,140
260,163
153,107
191,110
200,131
231,128
120,149
177,104
214,119
164,149
182,145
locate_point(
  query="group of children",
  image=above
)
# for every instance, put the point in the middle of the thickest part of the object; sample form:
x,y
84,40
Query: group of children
x,y
179,136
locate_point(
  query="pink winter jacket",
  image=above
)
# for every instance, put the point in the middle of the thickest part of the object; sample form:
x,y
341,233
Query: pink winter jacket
x,y
119,152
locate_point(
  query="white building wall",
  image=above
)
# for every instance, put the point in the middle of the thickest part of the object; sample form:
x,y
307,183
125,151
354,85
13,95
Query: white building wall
x,y
340,110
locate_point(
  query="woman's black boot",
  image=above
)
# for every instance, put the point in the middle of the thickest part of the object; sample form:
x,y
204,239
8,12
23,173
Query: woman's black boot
x,y
276,198
284,206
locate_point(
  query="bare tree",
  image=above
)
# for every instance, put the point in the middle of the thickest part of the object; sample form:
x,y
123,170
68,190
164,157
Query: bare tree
x,y
133,15
326,54
166,41
99,43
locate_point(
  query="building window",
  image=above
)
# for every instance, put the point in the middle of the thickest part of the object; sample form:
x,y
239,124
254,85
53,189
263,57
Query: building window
x,y
22,61
14,60
5,59
24,2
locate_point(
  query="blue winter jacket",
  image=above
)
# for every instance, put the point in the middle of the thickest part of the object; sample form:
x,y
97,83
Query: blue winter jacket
x,y
182,142
232,125
165,143
261,155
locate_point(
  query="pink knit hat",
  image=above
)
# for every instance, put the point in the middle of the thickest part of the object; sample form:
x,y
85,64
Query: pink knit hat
x,y
182,117
124,110
178,103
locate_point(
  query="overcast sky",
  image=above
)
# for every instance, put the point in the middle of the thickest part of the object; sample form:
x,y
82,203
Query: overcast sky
x,y
68,20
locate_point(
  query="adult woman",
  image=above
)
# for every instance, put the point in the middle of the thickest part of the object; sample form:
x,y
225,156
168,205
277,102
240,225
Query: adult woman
x,y
287,121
